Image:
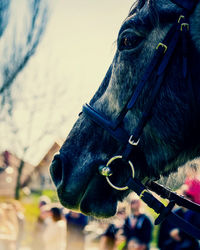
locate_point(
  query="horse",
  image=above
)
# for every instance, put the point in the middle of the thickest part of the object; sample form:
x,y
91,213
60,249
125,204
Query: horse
x,y
144,118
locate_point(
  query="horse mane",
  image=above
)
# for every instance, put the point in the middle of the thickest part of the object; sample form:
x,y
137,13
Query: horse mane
x,y
137,5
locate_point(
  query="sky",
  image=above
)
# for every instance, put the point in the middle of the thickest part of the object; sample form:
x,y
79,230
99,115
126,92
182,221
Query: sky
x,y
69,64
83,40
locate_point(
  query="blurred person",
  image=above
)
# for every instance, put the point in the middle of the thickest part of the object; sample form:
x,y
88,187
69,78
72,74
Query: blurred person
x,y
9,227
172,237
76,223
191,186
20,218
44,200
41,224
137,227
55,233
113,237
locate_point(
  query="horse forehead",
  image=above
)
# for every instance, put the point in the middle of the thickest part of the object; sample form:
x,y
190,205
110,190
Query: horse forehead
x,y
166,10
186,4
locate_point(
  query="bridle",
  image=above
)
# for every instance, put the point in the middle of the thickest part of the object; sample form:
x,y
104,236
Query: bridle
x,y
163,53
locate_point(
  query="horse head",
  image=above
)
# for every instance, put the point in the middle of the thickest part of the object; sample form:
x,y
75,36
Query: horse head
x,y
169,135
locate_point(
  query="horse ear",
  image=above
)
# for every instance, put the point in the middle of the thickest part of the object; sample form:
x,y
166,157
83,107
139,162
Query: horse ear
x,y
195,26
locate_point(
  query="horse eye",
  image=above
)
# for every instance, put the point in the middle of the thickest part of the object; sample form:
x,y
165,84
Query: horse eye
x,y
129,42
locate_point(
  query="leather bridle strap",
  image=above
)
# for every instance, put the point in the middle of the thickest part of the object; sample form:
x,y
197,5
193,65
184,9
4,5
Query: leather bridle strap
x,y
161,62
161,71
166,193
164,212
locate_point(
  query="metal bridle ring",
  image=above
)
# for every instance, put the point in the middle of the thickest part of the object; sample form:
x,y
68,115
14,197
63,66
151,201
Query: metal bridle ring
x,y
107,178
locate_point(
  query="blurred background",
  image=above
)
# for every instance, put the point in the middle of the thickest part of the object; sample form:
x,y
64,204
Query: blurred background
x,y
54,55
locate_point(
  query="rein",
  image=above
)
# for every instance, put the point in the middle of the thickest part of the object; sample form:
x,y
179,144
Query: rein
x,y
163,53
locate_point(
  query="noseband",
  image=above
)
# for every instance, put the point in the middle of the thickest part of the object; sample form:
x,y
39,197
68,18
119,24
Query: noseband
x,y
163,53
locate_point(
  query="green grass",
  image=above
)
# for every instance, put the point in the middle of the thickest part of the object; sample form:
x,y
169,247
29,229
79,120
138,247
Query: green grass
x,y
51,194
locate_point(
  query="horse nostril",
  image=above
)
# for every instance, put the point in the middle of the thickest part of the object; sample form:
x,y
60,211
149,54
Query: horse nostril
x,y
56,170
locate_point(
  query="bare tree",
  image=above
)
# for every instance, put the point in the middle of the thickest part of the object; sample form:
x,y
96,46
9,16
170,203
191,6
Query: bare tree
x,y
22,24
32,124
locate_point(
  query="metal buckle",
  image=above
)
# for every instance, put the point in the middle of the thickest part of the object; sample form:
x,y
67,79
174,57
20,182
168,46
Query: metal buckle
x,y
180,17
107,178
163,46
185,25
132,141
142,193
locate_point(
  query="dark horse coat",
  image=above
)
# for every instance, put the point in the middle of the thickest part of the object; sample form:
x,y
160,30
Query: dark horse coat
x,y
171,136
